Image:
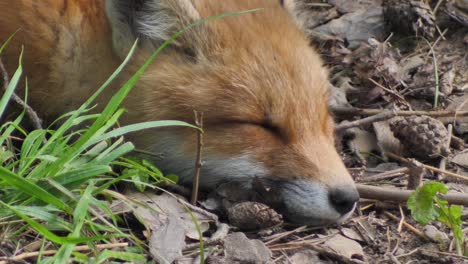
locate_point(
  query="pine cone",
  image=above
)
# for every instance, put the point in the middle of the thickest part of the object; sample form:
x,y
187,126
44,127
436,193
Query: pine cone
x,y
410,17
423,136
253,216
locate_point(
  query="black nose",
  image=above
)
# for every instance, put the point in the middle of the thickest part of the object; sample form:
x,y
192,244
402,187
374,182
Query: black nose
x,y
343,199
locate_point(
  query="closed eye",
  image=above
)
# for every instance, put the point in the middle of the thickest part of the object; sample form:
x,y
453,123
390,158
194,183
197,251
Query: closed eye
x,y
267,126
273,129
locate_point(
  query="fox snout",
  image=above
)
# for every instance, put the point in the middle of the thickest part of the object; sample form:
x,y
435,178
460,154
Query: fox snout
x,y
312,188
316,199
311,203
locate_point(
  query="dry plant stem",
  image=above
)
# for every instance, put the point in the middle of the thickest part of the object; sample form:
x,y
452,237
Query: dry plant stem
x,y
416,174
397,195
198,161
35,120
322,251
368,120
331,254
408,226
443,161
386,175
408,254
277,237
23,256
387,90
436,8
293,244
445,254
449,174
352,111
402,219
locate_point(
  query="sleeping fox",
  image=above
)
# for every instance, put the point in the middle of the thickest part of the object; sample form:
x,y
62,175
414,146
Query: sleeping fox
x,y
261,87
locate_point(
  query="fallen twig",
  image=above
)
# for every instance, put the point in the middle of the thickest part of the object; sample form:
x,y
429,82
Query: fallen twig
x,y
443,161
386,175
434,169
23,256
397,195
394,93
385,115
279,236
346,111
416,174
35,120
408,226
198,161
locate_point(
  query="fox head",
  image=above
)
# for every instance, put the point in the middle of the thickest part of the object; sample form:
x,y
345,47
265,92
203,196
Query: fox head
x,y
263,92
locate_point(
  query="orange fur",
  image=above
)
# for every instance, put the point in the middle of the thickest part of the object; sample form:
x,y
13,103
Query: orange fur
x,y
262,89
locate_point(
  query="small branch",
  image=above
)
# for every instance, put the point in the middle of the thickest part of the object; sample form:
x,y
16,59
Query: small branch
x,y
397,195
198,161
402,219
279,236
443,161
27,255
387,90
416,174
35,120
347,111
385,115
434,169
408,226
386,175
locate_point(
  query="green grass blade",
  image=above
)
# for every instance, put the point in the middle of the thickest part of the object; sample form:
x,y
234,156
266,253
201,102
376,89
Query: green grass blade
x,y
11,127
107,158
32,189
78,176
137,127
107,255
51,236
11,86
69,122
9,39
79,215
46,214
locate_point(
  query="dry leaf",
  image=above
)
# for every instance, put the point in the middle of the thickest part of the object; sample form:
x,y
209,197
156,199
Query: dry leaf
x,y
345,247
169,223
240,249
356,27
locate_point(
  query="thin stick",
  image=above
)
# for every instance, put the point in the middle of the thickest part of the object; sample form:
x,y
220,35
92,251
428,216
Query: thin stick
x,y
35,120
402,219
285,234
408,226
397,195
436,8
53,252
434,169
198,161
346,111
385,175
387,90
385,115
443,161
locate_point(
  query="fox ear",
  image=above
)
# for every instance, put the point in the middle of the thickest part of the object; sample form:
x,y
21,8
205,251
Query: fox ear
x,y
152,21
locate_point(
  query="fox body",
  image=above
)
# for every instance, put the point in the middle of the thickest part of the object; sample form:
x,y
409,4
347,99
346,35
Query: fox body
x,y
262,89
